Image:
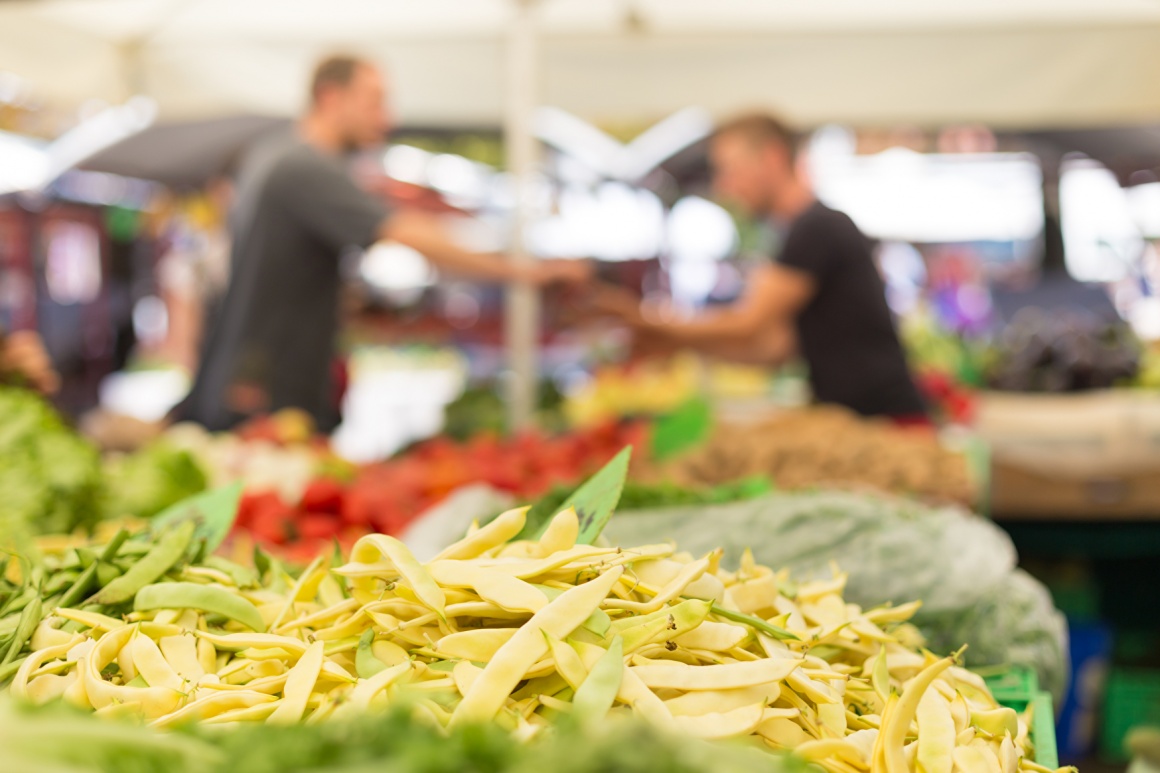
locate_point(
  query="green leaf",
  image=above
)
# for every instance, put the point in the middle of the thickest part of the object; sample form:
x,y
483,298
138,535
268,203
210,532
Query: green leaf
x,y
213,512
686,427
595,501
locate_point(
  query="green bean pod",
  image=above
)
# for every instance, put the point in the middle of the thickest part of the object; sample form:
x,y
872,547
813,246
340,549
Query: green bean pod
x,y
207,598
159,560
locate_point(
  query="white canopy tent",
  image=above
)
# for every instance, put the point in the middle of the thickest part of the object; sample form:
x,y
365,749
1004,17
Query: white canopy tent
x,y
1008,63
1022,63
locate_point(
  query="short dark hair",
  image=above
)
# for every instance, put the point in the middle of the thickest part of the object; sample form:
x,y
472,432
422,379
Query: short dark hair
x,y
759,129
334,70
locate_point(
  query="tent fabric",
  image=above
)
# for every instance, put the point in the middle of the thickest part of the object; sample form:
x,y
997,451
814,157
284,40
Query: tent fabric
x,y
1010,63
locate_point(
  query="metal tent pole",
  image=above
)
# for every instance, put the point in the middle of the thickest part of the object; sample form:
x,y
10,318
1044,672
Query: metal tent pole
x,y
522,312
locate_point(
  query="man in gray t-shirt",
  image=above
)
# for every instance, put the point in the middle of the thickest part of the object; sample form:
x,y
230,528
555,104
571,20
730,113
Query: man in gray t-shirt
x,y
296,211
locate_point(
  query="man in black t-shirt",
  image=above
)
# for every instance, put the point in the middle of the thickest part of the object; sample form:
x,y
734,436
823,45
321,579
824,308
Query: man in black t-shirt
x,y
822,295
296,211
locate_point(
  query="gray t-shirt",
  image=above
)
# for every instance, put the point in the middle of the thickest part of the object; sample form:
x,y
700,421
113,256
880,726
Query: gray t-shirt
x,y
272,345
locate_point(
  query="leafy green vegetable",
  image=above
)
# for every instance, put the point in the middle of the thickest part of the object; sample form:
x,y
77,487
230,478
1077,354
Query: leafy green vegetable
x,y
594,501
144,483
50,476
59,738
214,512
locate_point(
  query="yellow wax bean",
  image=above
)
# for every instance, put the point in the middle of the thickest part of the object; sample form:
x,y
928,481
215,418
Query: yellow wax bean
x,y
388,652
304,589
346,606
898,614
783,733
372,546
154,701
49,687
206,655
832,718
896,726
367,689
1008,756
352,626
752,596
971,759
90,619
181,653
496,533
841,749
996,722
46,635
561,533
259,712
465,673
482,609
723,677
672,590
818,692
568,662
709,635
693,704
499,588
299,684
236,642
152,665
730,724
936,734
559,618
479,644
636,694
214,704
526,570
34,661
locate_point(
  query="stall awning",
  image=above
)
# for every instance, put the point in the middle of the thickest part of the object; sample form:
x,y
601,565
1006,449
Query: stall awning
x,y
1010,63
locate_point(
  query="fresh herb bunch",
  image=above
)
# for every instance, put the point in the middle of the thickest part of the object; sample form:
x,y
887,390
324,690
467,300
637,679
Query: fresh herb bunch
x,y
50,476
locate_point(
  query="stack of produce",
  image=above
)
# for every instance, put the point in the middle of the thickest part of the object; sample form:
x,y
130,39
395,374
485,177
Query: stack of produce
x,y
657,387
1064,351
524,632
822,446
279,453
386,496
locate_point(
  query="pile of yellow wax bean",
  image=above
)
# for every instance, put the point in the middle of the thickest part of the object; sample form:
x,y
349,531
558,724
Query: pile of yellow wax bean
x,y
531,633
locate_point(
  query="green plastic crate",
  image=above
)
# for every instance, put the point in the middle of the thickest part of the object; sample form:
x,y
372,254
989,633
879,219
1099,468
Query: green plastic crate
x,y
1018,688
1132,700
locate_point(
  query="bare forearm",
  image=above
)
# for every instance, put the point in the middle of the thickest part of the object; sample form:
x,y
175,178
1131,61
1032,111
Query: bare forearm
x,y
424,234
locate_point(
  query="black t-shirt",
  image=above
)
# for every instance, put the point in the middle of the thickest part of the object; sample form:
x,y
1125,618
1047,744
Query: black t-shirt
x,y
296,211
846,331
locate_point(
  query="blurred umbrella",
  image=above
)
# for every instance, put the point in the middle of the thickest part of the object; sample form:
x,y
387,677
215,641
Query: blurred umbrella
x,y
185,153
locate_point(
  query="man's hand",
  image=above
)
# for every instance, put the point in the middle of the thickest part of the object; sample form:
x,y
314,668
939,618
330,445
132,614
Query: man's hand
x,y
609,300
543,273
23,354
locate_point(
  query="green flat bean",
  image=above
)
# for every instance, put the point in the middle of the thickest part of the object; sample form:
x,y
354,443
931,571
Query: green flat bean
x,y
106,573
207,598
754,622
19,602
597,693
159,560
87,557
9,671
80,587
365,662
110,550
29,619
60,582
243,577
